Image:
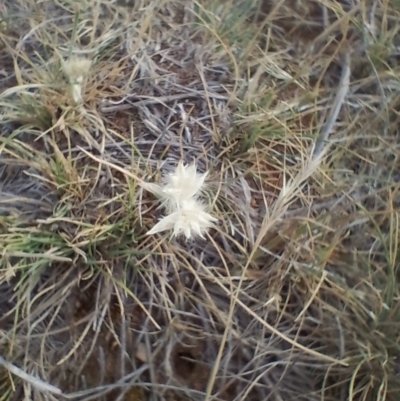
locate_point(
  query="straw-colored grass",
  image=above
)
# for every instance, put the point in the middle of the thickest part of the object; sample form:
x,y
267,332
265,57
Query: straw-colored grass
x,y
292,107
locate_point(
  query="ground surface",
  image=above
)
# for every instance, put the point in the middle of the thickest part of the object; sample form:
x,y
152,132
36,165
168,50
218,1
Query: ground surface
x,y
292,107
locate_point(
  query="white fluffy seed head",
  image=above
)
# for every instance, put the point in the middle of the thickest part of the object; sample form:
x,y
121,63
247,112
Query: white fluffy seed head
x,y
181,185
179,193
190,219
184,183
76,69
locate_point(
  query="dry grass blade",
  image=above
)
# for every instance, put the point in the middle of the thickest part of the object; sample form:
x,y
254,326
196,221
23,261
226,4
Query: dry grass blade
x,y
34,381
344,85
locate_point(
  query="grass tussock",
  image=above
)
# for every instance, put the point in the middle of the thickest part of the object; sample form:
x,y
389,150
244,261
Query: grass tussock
x,y
292,109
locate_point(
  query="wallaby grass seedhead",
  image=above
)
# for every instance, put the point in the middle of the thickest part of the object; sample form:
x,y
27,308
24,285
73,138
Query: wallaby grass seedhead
x,y
76,69
180,195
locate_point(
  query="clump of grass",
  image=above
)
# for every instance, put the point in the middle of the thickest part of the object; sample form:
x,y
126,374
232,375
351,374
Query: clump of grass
x,y
295,291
